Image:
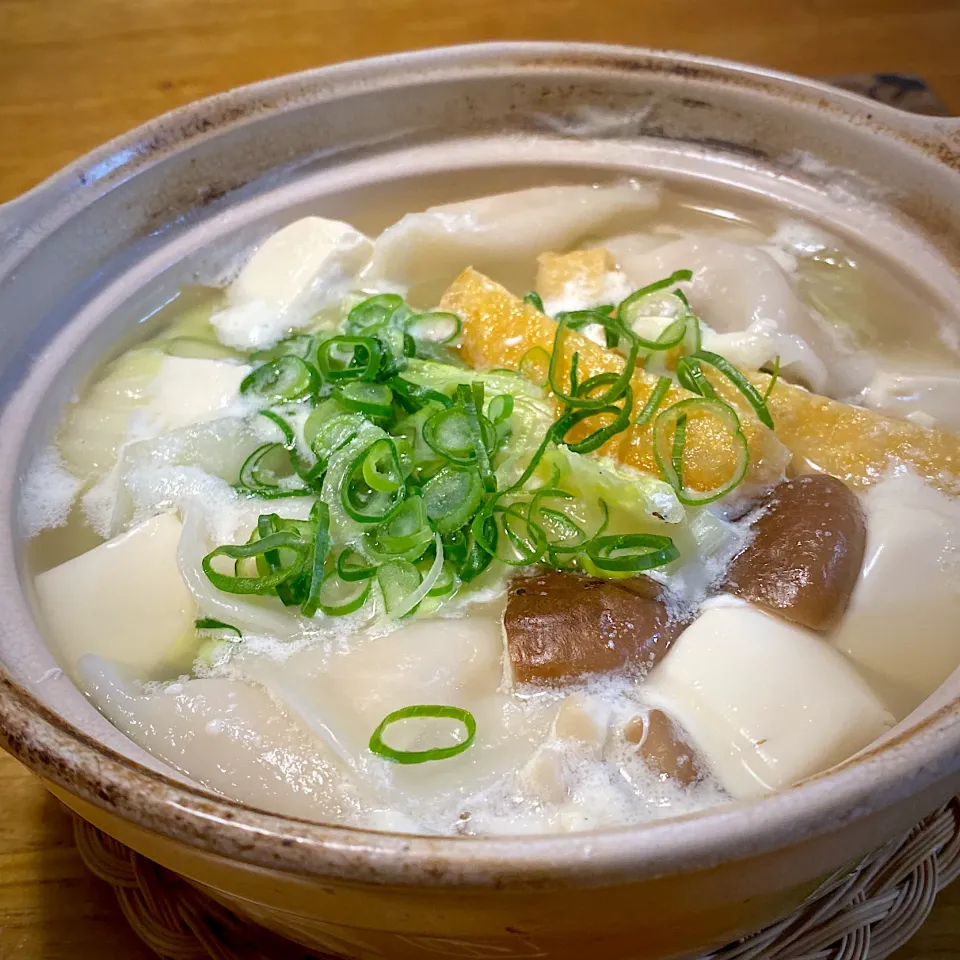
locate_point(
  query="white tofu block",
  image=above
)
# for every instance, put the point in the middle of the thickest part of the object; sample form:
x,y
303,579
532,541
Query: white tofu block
x,y
302,268
767,702
124,600
188,391
902,627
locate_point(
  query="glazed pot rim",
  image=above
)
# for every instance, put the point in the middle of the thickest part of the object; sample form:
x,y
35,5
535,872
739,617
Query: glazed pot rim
x,y
879,777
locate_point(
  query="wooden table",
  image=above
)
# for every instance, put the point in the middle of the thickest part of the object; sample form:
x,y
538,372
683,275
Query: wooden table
x,y
74,73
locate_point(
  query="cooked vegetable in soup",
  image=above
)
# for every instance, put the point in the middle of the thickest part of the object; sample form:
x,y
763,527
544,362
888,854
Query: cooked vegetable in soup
x,y
384,535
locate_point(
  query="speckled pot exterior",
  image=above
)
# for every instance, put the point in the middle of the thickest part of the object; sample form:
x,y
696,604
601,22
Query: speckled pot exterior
x,y
87,254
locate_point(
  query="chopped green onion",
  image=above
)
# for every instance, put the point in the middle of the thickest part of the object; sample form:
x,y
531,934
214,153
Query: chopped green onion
x,y
618,386
631,552
691,375
595,440
432,711
676,451
535,366
501,408
774,377
372,399
534,299
398,579
660,390
359,499
338,598
289,437
373,314
286,378
209,623
452,497
352,566
406,531
263,470
332,434
678,276
434,327
416,396
320,518
349,358
753,396
666,427
232,583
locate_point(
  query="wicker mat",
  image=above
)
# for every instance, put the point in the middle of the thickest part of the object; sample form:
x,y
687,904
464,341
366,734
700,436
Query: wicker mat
x,y
867,913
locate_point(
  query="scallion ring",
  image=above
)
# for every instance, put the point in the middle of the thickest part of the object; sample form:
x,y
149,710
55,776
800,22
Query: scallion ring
x,y
349,358
370,399
433,711
657,395
337,597
631,552
359,499
261,585
535,300
376,312
320,518
286,378
439,328
750,392
664,438
353,566
452,497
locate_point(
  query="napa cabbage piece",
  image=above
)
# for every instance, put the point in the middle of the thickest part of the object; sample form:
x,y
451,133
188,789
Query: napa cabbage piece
x,y
501,235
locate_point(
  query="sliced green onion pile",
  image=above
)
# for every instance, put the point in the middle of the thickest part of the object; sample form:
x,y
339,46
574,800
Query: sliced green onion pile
x,y
417,482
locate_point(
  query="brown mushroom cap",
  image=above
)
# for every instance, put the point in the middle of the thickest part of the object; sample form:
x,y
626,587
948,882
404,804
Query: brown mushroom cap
x,y
806,553
663,747
562,626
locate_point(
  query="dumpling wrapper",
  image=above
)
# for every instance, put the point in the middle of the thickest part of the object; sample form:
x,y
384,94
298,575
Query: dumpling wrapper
x,y
502,234
456,662
229,736
740,290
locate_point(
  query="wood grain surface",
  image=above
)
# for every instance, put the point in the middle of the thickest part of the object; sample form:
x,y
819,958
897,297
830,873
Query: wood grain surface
x,y
74,73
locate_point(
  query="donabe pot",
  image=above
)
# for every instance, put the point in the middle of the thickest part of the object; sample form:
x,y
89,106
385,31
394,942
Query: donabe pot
x,y
87,254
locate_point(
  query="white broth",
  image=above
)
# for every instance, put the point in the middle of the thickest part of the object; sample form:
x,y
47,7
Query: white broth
x,y
541,512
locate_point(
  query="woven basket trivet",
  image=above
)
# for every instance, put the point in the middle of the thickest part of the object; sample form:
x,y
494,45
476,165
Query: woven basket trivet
x,y
866,913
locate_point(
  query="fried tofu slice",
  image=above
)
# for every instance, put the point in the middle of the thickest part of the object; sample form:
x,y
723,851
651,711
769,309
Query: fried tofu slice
x,y
856,445
585,269
499,328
